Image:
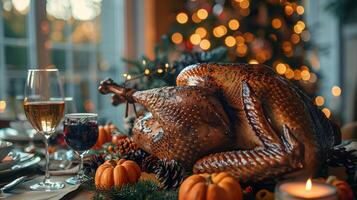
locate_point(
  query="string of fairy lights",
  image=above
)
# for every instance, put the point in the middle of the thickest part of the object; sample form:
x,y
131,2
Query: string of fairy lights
x,y
229,32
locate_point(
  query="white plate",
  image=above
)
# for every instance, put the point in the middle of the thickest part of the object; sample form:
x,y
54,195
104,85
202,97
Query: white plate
x,y
11,134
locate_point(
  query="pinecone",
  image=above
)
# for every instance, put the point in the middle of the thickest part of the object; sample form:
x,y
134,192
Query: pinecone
x,y
125,146
91,165
345,155
150,164
170,173
137,156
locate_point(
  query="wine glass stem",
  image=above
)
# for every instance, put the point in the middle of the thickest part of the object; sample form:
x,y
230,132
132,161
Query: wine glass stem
x,y
47,173
80,172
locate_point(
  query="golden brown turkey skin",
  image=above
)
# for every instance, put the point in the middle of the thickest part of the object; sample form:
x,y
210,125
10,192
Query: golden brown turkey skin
x,y
239,118
279,104
183,123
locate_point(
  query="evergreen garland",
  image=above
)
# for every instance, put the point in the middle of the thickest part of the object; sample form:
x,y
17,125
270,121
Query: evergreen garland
x,y
147,190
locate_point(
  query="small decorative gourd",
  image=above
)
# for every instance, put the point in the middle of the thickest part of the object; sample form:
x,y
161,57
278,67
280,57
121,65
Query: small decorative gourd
x,y
116,173
210,186
104,135
344,191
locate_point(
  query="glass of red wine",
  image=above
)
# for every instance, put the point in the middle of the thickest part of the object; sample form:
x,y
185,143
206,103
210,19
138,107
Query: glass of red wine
x,y
80,133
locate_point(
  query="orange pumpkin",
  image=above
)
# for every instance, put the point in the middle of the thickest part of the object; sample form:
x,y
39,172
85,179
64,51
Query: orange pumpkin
x,y
344,191
210,186
117,173
103,137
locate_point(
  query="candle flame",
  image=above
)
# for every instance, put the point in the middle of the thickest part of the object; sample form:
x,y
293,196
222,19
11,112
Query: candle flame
x,y
308,185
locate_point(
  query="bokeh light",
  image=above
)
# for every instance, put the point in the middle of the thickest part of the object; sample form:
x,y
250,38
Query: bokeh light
x,y
300,10
195,39
319,100
205,44
219,31
336,91
177,38
327,112
233,24
182,18
202,14
280,68
201,32
230,41
276,23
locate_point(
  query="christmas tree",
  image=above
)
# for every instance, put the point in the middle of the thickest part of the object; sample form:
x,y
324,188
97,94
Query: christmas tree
x,y
271,32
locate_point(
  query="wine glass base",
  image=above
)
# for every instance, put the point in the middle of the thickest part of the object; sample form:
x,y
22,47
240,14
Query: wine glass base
x,y
77,180
47,186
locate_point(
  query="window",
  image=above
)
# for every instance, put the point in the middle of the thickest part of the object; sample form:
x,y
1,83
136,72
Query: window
x,y
83,42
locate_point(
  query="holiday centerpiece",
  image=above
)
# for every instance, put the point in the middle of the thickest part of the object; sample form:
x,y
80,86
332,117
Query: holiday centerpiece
x,y
239,122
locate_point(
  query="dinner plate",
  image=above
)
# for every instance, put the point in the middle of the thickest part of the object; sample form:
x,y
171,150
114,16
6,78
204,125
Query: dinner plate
x,y
7,164
11,134
21,166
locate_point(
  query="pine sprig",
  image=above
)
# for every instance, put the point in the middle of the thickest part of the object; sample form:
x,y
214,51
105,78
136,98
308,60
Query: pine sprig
x,y
147,190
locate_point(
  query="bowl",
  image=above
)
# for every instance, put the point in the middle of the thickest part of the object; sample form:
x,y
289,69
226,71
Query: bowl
x,y
5,148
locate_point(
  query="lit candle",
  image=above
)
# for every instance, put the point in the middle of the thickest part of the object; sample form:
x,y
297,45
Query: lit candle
x,y
302,190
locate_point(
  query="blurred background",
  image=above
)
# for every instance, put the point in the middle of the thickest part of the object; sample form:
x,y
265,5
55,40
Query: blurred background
x,y
311,42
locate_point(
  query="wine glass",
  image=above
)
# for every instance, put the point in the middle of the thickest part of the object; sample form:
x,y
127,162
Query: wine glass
x,y
81,134
44,108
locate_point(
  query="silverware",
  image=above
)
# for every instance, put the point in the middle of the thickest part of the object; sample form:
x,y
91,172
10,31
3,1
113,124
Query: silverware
x,y
10,186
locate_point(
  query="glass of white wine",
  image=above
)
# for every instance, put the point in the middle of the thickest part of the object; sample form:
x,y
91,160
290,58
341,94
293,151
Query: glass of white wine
x,y
44,107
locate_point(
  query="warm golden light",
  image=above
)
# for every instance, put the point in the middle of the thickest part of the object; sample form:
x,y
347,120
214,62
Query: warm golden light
x,y
177,38
159,71
289,10
128,77
308,185
336,91
253,61
241,49
280,68
300,10
201,31
147,71
276,23
233,24
205,44
289,74
202,13
319,100
167,65
244,4
195,39
195,18
2,106
230,41
305,75
327,112
299,27
219,31
182,18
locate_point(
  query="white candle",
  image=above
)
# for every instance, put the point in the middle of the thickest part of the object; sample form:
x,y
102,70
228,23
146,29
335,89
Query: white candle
x,y
305,190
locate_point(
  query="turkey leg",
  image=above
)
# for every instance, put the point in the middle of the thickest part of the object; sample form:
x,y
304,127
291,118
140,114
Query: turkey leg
x,y
281,153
